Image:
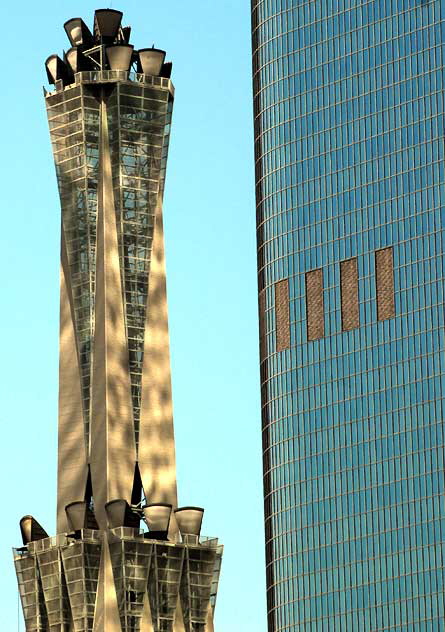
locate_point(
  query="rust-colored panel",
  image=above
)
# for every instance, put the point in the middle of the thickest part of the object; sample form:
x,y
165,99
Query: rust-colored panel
x,y
282,318
350,317
314,304
384,271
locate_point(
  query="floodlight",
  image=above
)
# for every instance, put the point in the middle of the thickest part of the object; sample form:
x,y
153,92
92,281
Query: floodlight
x,y
57,69
119,56
107,23
120,514
80,516
31,530
150,61
76,60
189,520
78,32
157,516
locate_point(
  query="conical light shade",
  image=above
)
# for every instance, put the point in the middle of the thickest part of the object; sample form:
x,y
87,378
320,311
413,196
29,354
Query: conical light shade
x,y
76,60
57,69
120,514
78,32
107,23
189,520
80,516
150,61
116,510
119,56
31,530
157,516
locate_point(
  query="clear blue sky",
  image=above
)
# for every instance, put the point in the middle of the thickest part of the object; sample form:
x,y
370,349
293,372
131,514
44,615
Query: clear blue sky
x,y
211,267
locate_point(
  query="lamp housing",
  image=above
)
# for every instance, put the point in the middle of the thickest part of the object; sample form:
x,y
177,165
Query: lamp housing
x,y
189,520
76,60
56,70
157,516
80,516
120,514
31,530
150,61
107,23
78,32
119,56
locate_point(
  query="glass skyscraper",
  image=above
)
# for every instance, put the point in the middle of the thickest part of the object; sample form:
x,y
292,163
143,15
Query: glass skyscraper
x,y
350,186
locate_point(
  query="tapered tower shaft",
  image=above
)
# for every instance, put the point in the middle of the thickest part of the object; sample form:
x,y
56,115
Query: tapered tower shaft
x,y
111,196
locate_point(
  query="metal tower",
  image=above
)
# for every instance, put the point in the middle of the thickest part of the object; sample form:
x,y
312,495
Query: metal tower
x,y
109,118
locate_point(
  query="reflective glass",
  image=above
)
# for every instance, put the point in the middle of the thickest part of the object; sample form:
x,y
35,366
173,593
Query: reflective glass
x,y
349,123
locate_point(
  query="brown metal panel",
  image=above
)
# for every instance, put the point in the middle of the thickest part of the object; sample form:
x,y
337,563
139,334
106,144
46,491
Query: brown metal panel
x,y
385,284
314,304
349,294
156,457
72,468
282,318
113,452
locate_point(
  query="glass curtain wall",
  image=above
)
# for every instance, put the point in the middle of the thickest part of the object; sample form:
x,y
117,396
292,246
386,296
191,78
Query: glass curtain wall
x,y
350,186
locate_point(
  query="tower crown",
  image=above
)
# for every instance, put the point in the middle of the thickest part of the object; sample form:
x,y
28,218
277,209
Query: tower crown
x,y
107,48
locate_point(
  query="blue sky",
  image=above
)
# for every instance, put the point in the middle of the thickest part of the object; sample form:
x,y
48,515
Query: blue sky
x,y
211,266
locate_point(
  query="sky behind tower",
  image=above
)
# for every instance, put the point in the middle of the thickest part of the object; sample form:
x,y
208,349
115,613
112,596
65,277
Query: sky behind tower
x,y
211,270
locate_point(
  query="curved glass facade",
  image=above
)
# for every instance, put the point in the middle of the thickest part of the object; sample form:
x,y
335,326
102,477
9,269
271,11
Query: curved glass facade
x,y
350,185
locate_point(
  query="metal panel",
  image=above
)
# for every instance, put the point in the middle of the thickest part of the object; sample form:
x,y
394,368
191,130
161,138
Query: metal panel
x,y
282,318
163,585
314,304
384,271
349,294
54,589
196,586
130,560
31,592
81,562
